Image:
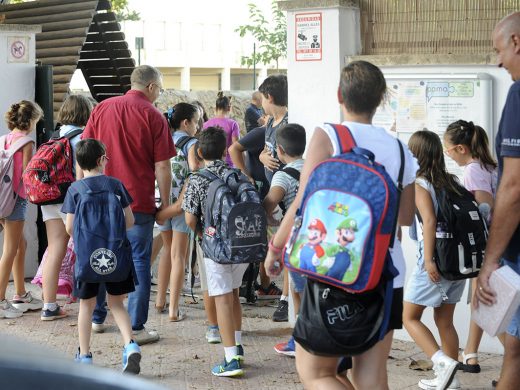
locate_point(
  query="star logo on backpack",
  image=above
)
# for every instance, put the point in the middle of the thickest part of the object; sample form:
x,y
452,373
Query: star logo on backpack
x,y
103,261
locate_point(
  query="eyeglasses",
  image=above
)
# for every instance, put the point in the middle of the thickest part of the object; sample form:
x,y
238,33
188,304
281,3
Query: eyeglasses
x,y
105,157
448,150
161,90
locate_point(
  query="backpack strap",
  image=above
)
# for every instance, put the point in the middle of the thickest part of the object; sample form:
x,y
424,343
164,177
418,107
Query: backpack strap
x,y
181,143
345,139
69,135
207,174
293,172
399,190
16,145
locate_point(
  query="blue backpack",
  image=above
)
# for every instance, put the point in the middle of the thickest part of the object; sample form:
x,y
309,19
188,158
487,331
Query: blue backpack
x,y
347,220
103,252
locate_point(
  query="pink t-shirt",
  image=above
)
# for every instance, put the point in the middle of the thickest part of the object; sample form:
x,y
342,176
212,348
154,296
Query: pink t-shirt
x,y
231,129
477,178
18,185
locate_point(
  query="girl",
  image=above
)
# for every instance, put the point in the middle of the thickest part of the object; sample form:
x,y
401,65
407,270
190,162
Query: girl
x,y
21,120
361,90
73,115
468,146
426,288
183,120
203,117
222,120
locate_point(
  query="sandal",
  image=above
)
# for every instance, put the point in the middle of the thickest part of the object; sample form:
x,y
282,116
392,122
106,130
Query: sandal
x,y
470,368
162,309
180,316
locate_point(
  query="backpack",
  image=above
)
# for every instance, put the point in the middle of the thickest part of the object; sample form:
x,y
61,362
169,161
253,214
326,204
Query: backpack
x,y
295,174
103,252
461,235
7,194
179,166
48,175
235,223
347,219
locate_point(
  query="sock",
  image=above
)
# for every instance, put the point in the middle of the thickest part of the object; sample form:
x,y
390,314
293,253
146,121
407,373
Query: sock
x,y
50,306
238,337
230,353
284,298
213,327
437,356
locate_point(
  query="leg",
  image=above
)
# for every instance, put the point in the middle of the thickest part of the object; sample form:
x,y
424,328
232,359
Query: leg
x,y
86,307
318,372
237,310
423,337
510,375
226,319
165,266
121,317
141,237
156,247
13,231
443,317
475,332
210,308
100,311
58,239
179,253
19,268
265,281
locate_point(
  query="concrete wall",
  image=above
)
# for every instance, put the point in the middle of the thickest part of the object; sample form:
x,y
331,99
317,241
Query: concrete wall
x,y
17,81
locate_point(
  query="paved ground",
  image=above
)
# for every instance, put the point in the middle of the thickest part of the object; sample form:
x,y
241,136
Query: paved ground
x,y
182,359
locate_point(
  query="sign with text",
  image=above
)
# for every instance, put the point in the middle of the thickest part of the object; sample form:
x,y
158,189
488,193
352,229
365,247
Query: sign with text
x,y
308,36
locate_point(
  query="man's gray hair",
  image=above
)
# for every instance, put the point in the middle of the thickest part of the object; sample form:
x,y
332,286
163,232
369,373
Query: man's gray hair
x,y
144,75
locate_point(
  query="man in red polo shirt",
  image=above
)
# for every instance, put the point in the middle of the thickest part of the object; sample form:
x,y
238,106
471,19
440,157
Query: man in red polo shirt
x,y
139,146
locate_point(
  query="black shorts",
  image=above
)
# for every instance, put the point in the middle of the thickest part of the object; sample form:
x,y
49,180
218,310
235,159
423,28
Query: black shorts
x,y
90,290
396,313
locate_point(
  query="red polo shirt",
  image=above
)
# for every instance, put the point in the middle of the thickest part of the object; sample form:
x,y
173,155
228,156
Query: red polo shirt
x,y
136,136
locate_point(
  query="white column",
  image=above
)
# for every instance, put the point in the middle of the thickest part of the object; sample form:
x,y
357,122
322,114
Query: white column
x,y
262,75
225,79
185,78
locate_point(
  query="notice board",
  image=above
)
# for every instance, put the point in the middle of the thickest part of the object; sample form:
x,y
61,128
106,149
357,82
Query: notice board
x,y
433,101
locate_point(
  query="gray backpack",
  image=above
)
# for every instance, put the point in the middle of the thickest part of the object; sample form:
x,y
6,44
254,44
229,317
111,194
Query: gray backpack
x,y
7,194
235,227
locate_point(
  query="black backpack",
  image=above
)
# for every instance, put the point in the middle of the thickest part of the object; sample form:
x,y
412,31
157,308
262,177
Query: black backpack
x,y
461,235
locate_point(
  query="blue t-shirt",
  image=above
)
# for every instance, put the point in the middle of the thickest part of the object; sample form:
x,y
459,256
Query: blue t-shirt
x,y
508,145
95,183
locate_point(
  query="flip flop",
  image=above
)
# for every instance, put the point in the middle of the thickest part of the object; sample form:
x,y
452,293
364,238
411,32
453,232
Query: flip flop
x,y
162,309
180,316
470,368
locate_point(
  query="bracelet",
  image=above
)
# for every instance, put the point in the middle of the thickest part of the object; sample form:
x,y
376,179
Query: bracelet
x,y
274,248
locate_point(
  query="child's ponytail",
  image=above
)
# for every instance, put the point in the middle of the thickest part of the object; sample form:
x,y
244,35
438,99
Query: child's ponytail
x,y
223,103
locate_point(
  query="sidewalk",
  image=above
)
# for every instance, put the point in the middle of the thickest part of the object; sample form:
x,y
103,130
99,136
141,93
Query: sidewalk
x,y
182,359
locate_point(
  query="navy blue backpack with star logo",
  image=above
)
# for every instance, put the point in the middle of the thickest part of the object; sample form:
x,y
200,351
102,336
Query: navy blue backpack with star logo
x,y
103,252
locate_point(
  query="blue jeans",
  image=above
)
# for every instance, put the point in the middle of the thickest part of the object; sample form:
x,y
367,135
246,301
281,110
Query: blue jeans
x,y
141,237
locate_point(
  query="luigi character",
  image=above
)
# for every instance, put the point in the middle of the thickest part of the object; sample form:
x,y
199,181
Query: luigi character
x,y
345,233
312,251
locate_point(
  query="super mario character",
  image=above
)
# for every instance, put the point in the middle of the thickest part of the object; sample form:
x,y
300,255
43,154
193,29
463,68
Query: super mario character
x,y
312,251
345,233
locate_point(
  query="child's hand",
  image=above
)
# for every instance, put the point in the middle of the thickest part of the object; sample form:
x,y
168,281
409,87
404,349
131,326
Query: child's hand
x,y
269,161
433,272
160,217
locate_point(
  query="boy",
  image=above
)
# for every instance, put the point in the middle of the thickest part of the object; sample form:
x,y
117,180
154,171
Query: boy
x,y
290,145
91,158
223,280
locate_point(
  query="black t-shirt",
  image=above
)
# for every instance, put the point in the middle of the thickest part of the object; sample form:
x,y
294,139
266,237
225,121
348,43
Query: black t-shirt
x,y
508,145
253,143
253,113
270,142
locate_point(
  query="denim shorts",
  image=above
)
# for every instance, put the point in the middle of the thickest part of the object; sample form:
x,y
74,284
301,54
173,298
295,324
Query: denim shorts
x,y
177,224
420,290
514,326
298,281
19,211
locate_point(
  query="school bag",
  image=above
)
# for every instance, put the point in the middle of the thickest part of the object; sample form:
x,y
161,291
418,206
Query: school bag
x,y
295,174
103,252
235,223
347,219
7,194
461,235
48,175
179,166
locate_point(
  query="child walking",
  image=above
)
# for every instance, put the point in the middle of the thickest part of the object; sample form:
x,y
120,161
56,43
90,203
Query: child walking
x,y
426,287
468,145
223,280
21,120
91,158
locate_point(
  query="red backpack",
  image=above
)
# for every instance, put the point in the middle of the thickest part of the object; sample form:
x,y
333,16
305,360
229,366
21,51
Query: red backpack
x,y
49,173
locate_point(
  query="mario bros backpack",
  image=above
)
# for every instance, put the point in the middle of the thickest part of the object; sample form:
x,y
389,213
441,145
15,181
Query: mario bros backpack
x,y
347,219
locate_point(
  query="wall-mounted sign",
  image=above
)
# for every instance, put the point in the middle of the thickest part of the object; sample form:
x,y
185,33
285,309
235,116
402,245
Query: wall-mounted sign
x,y
308,36
18,49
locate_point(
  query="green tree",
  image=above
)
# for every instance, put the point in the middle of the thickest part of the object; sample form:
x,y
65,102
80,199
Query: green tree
x,y
271,36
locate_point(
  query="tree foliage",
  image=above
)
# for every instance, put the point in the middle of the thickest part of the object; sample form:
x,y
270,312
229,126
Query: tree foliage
x,y
271,36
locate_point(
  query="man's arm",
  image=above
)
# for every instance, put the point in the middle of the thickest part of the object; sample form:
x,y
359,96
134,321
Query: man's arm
x,y
163,175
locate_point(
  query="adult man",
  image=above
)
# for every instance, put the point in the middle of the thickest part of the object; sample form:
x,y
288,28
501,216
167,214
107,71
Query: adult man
x,y
254,117
139,146
504,238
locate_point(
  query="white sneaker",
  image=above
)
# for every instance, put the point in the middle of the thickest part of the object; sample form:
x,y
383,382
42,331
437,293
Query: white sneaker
x,y
26,302
98,328
213,336
8,311
431,384
145,336
444,372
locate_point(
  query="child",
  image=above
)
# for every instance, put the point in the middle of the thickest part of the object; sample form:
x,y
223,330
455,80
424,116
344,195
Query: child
x,y
426,287
91,158
290,145
222,120
468,146
21,120
223,280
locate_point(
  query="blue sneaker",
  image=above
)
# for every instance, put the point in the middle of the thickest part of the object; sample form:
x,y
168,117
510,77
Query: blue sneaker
x,y
51,315
132,358
83,359
287,349
232,368
240,353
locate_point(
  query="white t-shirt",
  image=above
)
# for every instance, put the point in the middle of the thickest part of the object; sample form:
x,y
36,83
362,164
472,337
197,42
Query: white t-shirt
x,y
384,146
